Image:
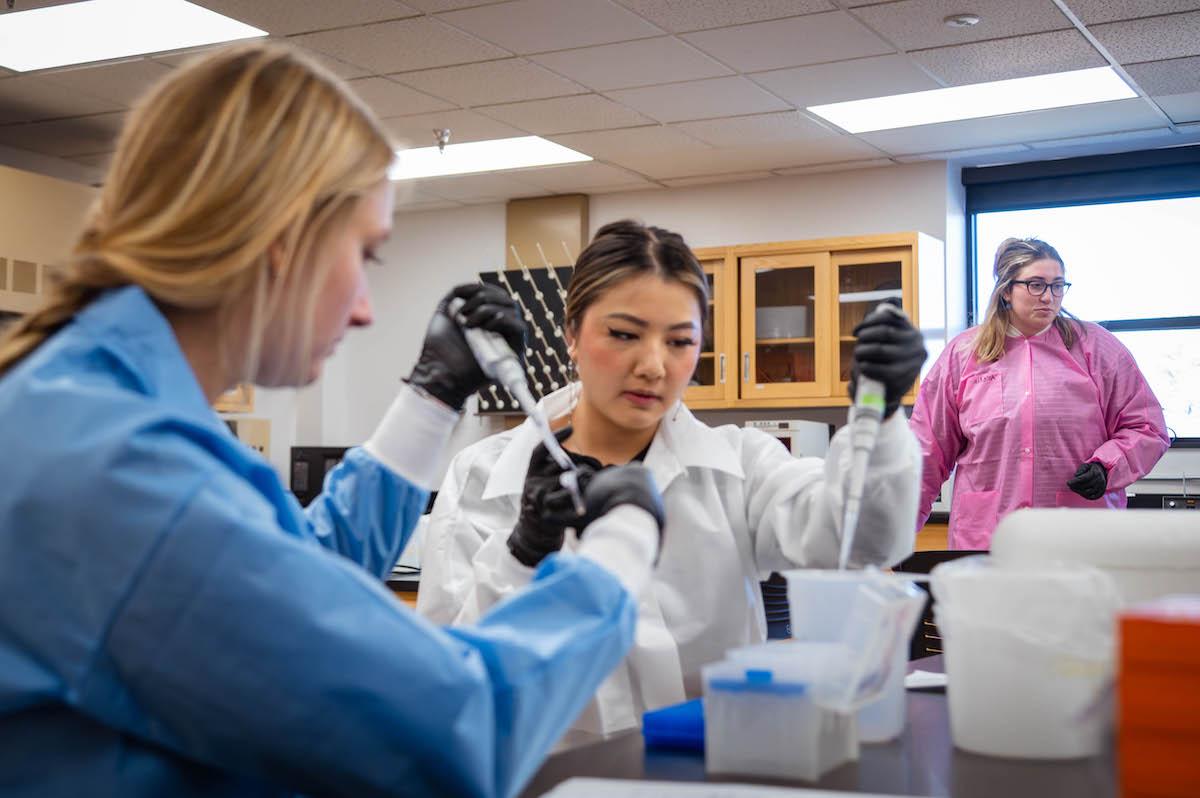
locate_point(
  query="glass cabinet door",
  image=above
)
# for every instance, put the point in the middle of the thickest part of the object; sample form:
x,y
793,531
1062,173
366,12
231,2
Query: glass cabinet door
x,y
864,279
713,369
784,345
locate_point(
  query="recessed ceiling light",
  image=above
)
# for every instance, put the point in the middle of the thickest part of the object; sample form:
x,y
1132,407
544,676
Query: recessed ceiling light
x,y
481,156
97,30
1062,89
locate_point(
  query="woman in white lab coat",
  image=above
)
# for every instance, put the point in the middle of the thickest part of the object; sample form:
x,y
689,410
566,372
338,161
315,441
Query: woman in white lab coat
x,y
738,504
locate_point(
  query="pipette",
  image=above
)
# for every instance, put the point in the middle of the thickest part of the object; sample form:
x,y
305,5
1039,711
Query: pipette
x,y
870,401
497,360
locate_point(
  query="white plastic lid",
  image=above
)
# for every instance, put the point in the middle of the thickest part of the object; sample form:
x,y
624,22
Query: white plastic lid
x,y
1111,539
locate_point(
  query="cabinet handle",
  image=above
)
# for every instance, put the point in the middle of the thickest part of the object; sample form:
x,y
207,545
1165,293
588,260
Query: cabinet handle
x,y
722,359
745,367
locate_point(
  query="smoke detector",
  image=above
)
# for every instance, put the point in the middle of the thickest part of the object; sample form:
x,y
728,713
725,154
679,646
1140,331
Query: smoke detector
x,y
961,20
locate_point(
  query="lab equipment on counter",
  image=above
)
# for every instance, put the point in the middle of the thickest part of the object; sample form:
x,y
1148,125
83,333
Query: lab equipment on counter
x,y
497,360
870,403
875,611
1158,731
764,712
1028,655
1149,553
678,726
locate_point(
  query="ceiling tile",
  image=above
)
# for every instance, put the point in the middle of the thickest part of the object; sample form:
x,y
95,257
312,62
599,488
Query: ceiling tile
x,y
481,187
566,114
65,137
509,80
1177,76
413,192
704,180
285,17
421,207
537,26
121,83
837,166
27,98
1092,12
400,46
917,24
952,155
581,177
100,159
1180,107
700,99
334,65
680,16
1152,39
434,6
637,63
1105,138
614,145
1017,57
1110,117
758,129
878,76
387,98
745,158
796,41
417,131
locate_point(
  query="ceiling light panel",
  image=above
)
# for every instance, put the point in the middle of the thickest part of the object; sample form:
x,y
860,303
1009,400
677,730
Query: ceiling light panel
x,y
996,98
482,156
99,30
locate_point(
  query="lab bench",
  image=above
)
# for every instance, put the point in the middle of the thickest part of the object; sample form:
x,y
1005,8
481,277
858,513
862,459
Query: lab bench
x,y
923,761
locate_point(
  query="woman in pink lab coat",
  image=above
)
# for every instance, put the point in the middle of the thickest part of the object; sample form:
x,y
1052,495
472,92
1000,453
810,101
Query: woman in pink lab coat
x,y
1034,407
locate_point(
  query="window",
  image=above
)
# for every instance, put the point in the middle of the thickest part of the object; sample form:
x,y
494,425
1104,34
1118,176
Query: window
x,y
1132,259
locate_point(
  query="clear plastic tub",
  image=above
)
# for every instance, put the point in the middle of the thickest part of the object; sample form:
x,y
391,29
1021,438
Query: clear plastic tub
x,y
1029,657
761,719
875,614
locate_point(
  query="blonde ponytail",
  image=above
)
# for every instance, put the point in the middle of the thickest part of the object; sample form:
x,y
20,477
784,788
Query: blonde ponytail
x,y
251,148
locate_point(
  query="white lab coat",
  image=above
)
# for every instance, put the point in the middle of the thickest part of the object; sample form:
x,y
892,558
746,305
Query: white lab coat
x,y
738,506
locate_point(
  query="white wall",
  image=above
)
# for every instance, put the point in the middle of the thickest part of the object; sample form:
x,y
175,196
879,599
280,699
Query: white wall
x,y
39,216
886,200
431,251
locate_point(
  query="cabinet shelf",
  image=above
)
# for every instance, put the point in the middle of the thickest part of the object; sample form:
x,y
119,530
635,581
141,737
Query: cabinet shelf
x,y
835,281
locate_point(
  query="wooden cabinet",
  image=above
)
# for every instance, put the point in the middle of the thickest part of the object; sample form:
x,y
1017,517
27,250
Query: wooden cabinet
x,y
782,316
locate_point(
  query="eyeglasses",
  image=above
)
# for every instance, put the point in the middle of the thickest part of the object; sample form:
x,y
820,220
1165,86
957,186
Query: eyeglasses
x,y
1038,287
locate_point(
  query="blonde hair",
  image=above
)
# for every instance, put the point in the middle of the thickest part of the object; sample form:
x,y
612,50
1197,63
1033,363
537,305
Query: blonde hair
x,y
1012,255
248,152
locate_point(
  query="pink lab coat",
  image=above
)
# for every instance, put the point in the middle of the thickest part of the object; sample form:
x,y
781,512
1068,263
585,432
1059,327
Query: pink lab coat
x,y
1018,428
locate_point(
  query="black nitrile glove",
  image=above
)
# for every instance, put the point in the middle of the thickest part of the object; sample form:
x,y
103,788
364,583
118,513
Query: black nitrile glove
x,y
890,350
447,369
546,506
627,484
1090,481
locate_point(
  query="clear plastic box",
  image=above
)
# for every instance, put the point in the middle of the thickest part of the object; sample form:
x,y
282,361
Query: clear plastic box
x,y
760,717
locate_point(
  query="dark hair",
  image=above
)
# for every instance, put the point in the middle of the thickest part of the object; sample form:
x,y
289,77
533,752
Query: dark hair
x,y
625,249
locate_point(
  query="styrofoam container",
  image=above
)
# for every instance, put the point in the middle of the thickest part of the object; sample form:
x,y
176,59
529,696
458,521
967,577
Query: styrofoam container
x,y
821,603
1148,553
1029,656
760,717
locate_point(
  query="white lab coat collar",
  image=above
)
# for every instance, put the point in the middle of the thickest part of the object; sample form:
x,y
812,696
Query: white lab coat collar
x,y
681,442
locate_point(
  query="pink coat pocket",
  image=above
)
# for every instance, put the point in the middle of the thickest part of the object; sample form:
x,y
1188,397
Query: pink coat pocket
x,y
973,518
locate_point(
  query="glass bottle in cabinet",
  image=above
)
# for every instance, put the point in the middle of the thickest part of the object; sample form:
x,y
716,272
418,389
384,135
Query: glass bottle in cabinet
x,y
863,280
783,353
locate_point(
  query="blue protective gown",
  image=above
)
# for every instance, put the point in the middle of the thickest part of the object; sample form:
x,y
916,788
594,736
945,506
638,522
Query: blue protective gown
x,y
173,623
